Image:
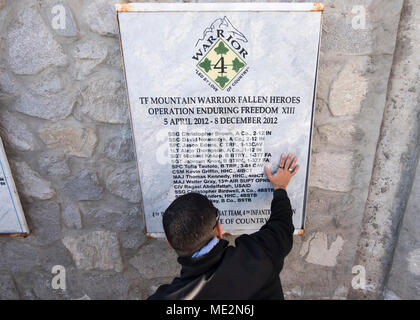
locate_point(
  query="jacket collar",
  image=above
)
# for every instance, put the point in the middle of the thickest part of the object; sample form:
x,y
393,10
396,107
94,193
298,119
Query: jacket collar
x,y
192,267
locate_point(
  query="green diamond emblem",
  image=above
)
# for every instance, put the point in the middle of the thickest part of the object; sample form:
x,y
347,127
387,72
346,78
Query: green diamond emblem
x,y
221,64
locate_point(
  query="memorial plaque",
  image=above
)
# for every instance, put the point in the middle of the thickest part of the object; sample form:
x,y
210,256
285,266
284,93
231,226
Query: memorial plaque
x,y
12,219
216,92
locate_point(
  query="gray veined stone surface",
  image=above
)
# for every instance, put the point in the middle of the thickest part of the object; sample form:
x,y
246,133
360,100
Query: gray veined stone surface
x,y
51,163
317,251
30,183
120,147
25,55
71,216
397,154
8,289
115,219
45,221
100,16
90,50
348,91
46,97
124,182
84,186
20,257
341,134
340,36
131,239
48,83
404,277
16,132
76,141
95,250
151,266
89,54
104,99
108,285
8,84
332,171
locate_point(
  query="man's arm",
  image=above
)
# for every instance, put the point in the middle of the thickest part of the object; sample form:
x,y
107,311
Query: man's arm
x,y
276,236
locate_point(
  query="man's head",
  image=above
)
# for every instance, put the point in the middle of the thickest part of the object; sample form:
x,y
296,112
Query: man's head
x,y
190,222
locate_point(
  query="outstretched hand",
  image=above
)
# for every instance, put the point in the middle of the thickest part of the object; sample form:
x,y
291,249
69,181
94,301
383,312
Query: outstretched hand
x,y
280,179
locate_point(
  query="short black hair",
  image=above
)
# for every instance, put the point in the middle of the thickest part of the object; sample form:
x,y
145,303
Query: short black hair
x,y
189,223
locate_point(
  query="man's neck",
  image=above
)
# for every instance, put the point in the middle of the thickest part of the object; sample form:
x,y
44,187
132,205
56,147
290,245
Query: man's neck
x,y
206,248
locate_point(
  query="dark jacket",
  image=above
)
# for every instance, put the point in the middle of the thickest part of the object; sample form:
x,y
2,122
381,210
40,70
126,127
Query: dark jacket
x,y
248,270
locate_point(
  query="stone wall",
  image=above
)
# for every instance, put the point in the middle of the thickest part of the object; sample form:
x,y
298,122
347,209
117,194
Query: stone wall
x,y
64,120
404,278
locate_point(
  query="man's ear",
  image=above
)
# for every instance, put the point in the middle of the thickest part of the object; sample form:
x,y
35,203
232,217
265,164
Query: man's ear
x,y
219,230
166,239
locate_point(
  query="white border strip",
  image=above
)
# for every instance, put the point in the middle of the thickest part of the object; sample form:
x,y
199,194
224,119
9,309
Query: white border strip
x,y
11,186
227,6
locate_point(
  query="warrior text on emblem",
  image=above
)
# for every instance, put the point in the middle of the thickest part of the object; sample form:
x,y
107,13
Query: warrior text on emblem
x,y
221,53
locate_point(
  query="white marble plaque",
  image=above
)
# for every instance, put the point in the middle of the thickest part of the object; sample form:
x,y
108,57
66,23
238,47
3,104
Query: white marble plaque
x,y
217,91
12,218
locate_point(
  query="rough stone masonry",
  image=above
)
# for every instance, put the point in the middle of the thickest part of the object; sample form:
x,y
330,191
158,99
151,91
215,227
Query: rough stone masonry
x,y
64,120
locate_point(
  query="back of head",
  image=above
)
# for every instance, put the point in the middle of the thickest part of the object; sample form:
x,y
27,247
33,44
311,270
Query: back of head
x,y
189,223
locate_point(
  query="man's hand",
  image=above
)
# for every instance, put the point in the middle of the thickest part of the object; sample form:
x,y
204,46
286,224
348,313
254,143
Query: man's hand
x,y
284,173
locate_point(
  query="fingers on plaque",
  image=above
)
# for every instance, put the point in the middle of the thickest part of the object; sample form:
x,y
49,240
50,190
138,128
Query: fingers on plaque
x,y
283,157
293,165
267,172
288,161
